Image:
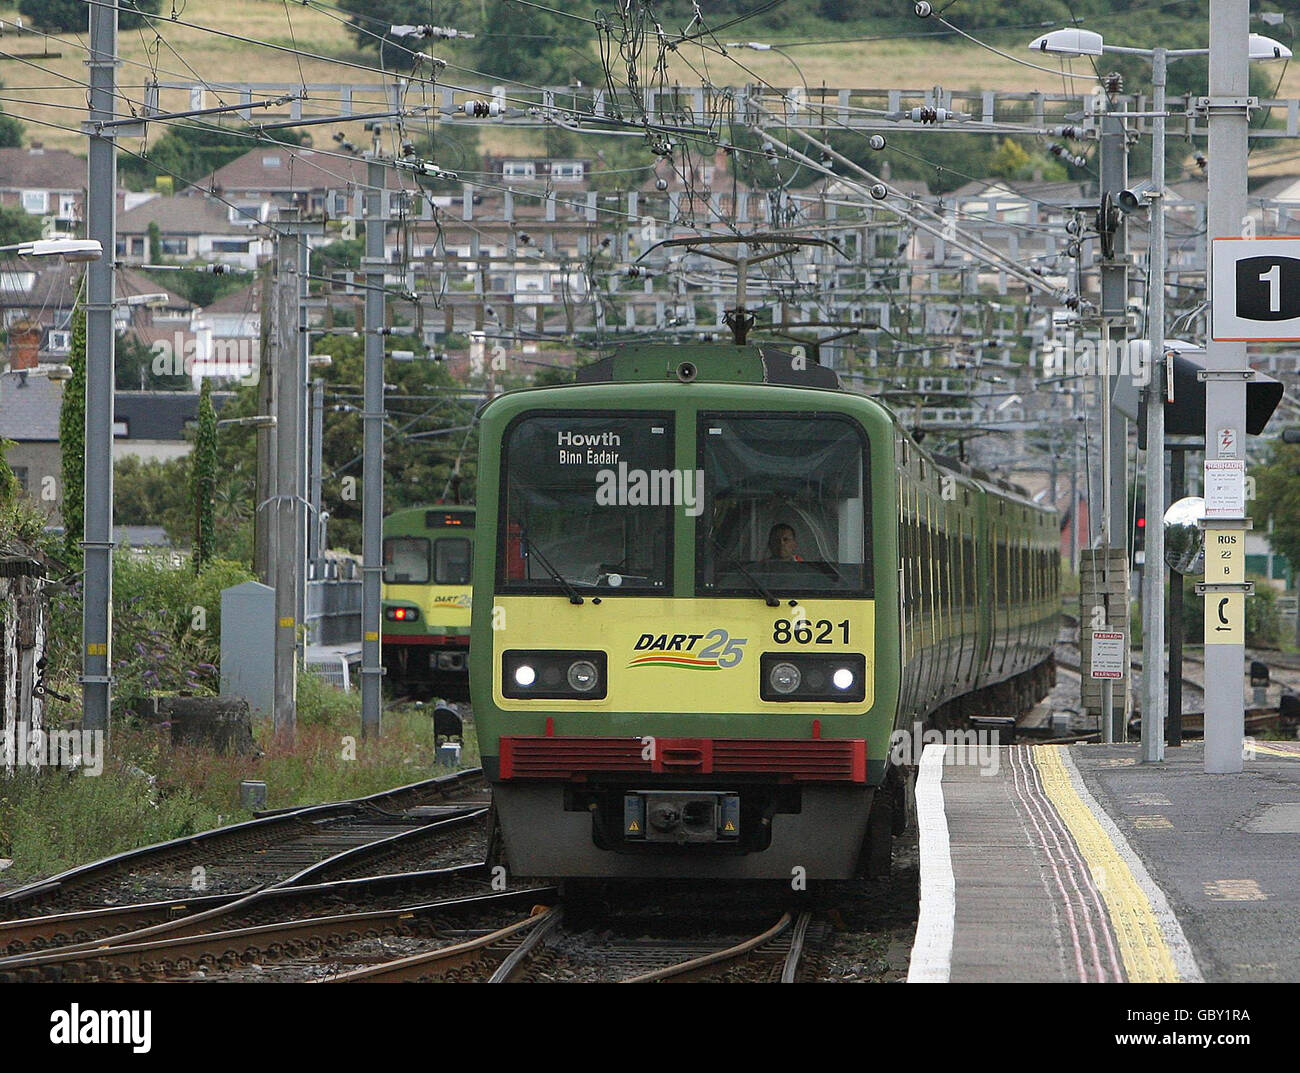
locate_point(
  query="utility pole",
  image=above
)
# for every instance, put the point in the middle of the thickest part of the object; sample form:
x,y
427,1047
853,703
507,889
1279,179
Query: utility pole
x,y
1225,362
372,466
263,521
314,549
286,564
1154,697
1114,318
101,224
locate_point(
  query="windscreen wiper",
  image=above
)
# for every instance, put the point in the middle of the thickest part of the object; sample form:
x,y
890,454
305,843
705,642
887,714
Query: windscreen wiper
x,y
772,601
533,549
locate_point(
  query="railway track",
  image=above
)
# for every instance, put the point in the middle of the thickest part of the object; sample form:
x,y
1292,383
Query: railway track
x,y
251,855
531,949
317,888
297,948
300,846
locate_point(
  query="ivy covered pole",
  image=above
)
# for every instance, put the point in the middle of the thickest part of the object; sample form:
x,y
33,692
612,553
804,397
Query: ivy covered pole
x,y
203,480
72,440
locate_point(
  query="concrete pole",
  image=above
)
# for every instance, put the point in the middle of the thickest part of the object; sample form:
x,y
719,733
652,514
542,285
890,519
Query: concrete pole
x,y
372,466
263,517
1113,145
1154,697
101,224
1225,399
314,549
302,436
287,560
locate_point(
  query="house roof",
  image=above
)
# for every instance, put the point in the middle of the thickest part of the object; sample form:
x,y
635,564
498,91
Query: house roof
x,y
37,168
128,282
180,216
275,169
53,284
29,408
160,415
245,300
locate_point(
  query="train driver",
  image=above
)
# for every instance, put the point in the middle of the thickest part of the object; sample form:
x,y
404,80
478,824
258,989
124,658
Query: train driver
x,y
781,544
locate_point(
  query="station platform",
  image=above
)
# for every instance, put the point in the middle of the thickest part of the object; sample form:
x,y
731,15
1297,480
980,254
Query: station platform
x,y
1078,863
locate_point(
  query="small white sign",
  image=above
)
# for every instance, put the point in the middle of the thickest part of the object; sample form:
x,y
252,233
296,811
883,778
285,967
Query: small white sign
x,y
1255,289
1107,654
1225,488
1227,440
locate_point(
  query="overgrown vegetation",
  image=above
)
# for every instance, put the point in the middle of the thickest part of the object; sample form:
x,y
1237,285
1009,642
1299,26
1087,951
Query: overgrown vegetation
x,y
150,791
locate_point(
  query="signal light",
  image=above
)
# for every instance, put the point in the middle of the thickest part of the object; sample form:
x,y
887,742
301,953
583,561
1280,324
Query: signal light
x,y
401,614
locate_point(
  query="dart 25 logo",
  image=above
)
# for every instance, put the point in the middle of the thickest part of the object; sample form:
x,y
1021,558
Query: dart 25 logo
x,y
716,650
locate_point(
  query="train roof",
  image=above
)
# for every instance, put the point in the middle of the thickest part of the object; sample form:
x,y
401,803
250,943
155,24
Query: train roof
x,y
753,363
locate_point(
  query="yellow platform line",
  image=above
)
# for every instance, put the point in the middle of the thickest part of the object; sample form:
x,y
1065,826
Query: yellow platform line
x,y
1142,946
1290,754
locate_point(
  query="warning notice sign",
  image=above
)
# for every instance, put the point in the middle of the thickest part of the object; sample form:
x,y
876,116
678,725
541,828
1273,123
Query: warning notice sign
x,y
1107,654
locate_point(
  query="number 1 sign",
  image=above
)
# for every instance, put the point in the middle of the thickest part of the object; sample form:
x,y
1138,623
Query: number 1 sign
x,y
1255,289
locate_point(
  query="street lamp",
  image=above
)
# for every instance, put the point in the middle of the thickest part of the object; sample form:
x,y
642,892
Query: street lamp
x,y
70,249
1079,42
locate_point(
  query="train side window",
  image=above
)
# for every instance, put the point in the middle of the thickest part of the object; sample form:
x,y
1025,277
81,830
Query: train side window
x,y
406,561
452,560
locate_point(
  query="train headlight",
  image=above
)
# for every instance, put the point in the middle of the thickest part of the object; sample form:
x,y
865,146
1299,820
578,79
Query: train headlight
x,y
583,675
548,674
785,678
793,677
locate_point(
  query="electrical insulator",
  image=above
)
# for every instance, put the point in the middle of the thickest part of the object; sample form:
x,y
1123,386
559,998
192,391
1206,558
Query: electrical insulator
x,y
1201,161
929,115
1114,82
637,272
478,109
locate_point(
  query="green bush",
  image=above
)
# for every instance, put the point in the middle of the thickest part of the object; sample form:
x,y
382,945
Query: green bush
x,y
167,624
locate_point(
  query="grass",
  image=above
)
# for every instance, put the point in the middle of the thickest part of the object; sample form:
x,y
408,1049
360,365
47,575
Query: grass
x,y
150,792
48,90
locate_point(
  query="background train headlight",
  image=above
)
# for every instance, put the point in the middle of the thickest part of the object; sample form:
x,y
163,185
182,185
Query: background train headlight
x,y
402,614
790,677
583,675
553,675
785,677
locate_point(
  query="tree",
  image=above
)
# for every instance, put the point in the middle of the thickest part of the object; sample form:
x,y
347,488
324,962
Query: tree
x,y
529,45
60,15
72,440
11,132
1277,496
17,225
204,478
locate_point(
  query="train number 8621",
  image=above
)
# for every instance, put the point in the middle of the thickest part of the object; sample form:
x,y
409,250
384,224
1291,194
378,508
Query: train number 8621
x,y
804,632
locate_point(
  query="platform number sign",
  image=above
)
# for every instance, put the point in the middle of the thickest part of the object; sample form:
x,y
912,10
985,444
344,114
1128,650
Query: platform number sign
x,y
1255,289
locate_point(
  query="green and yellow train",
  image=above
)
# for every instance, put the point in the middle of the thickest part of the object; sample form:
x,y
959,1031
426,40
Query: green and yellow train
x,y
710,587
428,559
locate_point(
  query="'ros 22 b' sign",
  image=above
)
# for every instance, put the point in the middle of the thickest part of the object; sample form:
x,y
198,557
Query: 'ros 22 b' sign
x,y
1255,289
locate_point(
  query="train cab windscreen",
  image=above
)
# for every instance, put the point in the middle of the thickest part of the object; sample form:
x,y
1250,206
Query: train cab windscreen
x,y
588,503
787,506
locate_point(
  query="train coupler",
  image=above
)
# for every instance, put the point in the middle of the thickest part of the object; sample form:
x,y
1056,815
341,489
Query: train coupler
x,y
681,817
